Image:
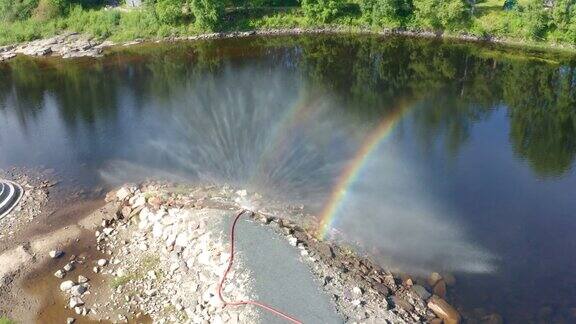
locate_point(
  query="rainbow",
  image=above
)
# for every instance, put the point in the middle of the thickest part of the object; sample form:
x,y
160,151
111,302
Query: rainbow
x,y
350,173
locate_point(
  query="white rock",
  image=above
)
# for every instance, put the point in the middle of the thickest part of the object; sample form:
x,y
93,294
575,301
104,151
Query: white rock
x,y
292,240
69,267
108,230
55,254
182,239
356,302
102,262
66,285
75,302
70,320
140,201
60,274
77,290
82,279
157,230
123,193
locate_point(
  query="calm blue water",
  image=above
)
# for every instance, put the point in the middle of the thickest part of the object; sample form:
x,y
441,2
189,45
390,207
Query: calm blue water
x,y
477,178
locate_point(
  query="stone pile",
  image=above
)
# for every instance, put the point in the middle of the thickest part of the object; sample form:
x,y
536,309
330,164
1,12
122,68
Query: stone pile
x,y
74,290
167,254
166,262
67,45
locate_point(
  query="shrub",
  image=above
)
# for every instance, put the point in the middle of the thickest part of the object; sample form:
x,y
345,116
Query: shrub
x,y
170,11
386,13
441,14
137,24
207,13
532,20
13,10
98,23
323,11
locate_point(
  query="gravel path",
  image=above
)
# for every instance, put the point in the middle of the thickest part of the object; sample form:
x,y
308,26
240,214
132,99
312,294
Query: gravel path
x,y
280,278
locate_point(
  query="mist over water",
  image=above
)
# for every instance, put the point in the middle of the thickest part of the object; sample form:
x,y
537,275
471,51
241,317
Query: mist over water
x,y
264,131
392,213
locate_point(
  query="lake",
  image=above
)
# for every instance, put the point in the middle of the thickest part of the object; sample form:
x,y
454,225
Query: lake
x,y
427,155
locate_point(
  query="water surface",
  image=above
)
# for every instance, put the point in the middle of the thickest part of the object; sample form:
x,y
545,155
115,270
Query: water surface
x,y
474,175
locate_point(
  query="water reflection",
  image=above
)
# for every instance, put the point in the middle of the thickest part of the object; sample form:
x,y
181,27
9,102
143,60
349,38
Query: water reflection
x,y
286,116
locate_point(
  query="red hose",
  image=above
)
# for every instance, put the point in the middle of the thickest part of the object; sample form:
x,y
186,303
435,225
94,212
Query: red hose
x,y
246,302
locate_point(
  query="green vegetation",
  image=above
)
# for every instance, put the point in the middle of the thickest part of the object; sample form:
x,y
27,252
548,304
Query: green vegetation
x,y
6,320
528,21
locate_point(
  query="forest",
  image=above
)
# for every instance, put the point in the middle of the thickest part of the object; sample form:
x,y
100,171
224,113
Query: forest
x,y
547,22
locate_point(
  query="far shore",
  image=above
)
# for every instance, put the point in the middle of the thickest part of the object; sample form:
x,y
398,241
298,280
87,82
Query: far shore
x,y
74,45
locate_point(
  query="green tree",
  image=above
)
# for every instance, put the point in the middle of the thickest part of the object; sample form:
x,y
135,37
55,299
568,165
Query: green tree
x,y
532,19
170,11
441,14
207,13
11,10
323,11
386,13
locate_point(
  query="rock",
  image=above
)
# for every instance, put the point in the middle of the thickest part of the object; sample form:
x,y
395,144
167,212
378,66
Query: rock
x,y
440,288
110,196
140,201
82,279
55,254
433,279
108,231
70,320
401,303
75,302
77,290
357,291
60,274
292,240
69,267
126,211
382,289
443,310
123,193
67,285
102,262
421,292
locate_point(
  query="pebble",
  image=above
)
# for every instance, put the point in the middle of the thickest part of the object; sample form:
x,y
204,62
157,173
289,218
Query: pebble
x,y
77,290
55,254
123,193
66,285
75,302
60,274
421,292
69,267
443,310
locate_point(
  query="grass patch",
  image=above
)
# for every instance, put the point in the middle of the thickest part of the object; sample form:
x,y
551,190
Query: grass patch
x,y
121,281
147,263
6,320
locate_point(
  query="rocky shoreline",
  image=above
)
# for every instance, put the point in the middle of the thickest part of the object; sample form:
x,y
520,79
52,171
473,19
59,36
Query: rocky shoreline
x,y
164,254
74,45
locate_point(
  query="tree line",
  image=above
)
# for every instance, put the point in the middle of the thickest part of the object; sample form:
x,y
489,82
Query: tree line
x,y
553,20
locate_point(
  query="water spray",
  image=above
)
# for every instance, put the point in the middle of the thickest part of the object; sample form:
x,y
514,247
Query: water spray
x,y
231,262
